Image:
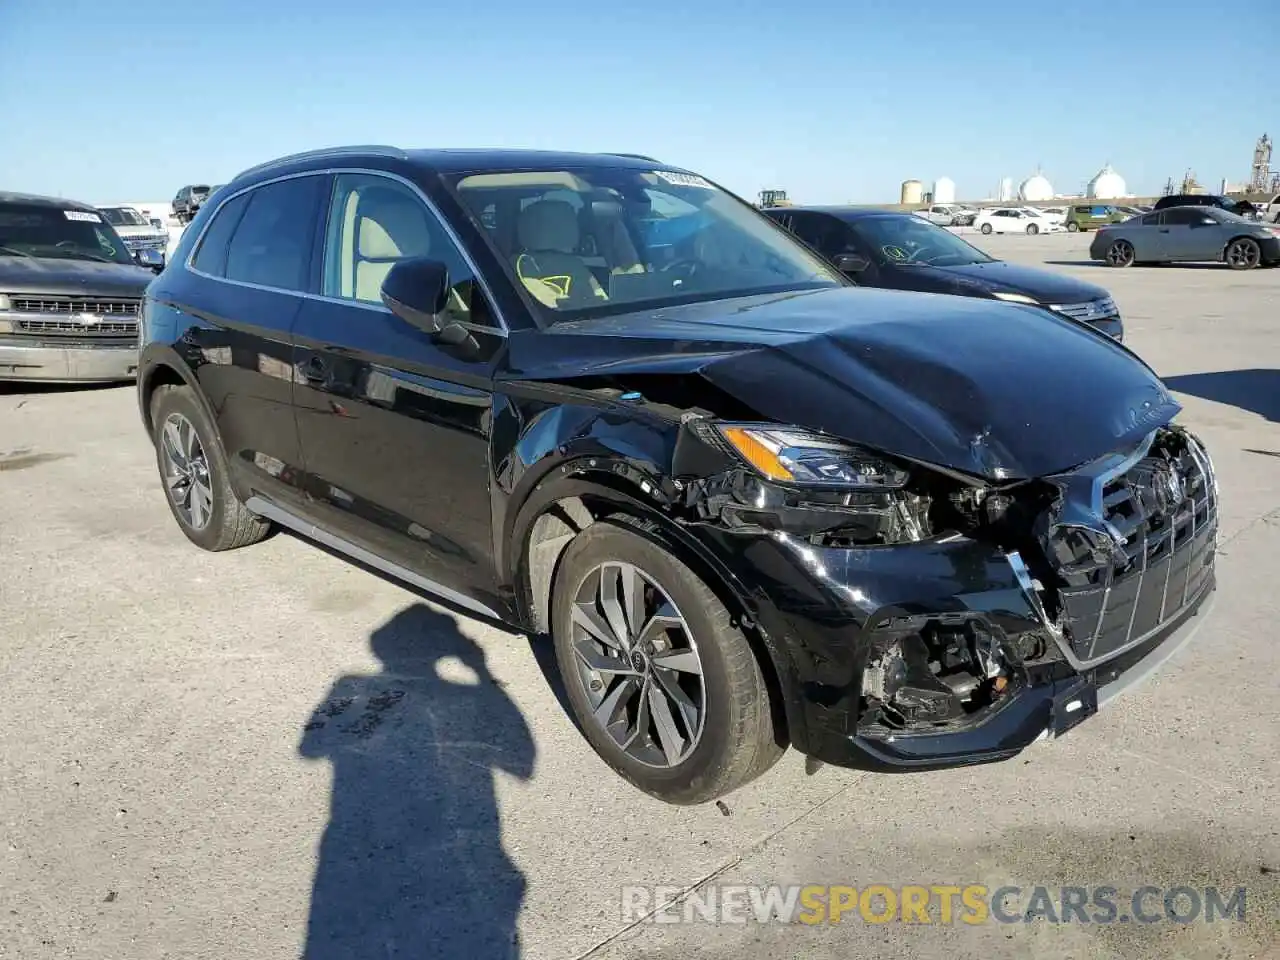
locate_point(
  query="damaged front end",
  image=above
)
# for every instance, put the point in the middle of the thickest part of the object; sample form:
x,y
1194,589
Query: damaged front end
x,y
935,618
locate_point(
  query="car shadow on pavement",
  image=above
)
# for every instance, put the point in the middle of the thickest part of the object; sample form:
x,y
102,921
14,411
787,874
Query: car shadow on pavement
x,y
1255,390
412,862
1139,266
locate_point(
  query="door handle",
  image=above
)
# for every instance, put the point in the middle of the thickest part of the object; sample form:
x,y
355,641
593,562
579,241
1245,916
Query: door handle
x,y
315,370
1164,229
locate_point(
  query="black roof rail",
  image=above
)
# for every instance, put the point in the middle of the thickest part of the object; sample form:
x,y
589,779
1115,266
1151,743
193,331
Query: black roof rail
x,y
380,149
634,156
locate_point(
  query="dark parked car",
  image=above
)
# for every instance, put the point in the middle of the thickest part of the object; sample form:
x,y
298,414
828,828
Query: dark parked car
x,y
904,252
188,200
753,504
70,293
1179,234
1242,208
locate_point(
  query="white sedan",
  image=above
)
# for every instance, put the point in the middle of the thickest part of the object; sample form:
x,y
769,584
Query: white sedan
x,y
1014,220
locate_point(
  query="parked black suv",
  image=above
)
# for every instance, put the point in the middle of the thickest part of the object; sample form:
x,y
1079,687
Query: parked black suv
x,y
753,504
1241,208
70,293
902,251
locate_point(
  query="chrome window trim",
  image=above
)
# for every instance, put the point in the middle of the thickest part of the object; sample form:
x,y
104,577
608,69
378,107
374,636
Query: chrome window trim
x,y
502,329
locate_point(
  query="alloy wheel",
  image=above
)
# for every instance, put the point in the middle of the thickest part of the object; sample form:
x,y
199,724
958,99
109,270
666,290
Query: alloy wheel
x,y
638,664
1120,253
186,471
1243,255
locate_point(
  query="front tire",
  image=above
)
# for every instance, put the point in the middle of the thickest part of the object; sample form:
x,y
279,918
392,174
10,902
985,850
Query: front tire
x,y
1243,254
194,473
664,686
1073,227
986,229
1120,254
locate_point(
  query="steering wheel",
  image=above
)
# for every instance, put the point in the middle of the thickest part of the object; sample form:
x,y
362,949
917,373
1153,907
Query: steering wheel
x,y
682,269
900,254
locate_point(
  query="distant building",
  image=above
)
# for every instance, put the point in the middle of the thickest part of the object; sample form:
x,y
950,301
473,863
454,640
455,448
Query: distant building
x,y
1036,188
1106,185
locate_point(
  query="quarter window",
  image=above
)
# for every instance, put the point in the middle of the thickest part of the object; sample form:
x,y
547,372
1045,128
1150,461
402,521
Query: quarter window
x,y
374,222
211,258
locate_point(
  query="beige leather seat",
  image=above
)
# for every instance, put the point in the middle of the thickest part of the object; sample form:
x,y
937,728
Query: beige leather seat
x,y
548,264
387,226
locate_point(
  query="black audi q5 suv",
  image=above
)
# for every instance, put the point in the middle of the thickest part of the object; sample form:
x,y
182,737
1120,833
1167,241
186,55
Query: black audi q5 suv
x,y
599,398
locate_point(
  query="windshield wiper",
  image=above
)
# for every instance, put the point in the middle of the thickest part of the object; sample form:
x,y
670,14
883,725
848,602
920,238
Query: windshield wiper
x,y
12,251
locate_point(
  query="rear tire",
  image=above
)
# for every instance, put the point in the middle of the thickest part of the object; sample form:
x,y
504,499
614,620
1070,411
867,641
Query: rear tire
x,y
986,228
193,471
1032,229
707,726
1243,253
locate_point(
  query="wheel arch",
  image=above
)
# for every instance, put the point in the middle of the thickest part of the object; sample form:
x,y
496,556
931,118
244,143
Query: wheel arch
x,y
556,513
1239,236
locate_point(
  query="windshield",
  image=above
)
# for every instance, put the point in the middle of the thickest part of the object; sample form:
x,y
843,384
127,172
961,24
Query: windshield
x,y
123,217
910,240
592,241
41,231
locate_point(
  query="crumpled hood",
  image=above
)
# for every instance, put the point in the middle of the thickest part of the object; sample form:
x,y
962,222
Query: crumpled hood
x,y
995,389
56,276
1044,285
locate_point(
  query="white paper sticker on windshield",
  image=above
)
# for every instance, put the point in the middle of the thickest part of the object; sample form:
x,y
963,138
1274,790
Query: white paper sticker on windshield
x,y
683,179
82,215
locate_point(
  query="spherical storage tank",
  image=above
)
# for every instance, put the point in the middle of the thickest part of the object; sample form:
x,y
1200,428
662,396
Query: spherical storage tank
x,y
944,190
912,191
1035,189
1106,185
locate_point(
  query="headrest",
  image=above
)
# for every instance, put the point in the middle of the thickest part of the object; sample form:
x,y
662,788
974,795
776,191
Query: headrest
x,y
390,224
549,225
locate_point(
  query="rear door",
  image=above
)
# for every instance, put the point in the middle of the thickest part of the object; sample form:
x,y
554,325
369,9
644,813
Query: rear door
x,y
254,258
395,425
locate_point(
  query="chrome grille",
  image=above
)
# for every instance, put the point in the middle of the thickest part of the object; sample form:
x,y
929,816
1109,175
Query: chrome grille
x,y
67,305
71,326
1089,311
1153,557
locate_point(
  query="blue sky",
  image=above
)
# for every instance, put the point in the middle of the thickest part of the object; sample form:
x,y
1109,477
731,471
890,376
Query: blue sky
x,y
832,101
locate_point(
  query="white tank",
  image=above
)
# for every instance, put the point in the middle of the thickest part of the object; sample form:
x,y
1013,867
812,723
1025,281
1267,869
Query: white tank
x,y
1036,189
912,191
944,190
1106,185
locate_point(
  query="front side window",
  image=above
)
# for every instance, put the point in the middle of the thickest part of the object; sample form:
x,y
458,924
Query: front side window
x,y
37,230
374,222
271,245
909,240
598,240
1183,217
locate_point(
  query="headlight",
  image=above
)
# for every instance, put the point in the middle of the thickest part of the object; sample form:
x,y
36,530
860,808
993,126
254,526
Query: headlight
x,y
1016,298
792,455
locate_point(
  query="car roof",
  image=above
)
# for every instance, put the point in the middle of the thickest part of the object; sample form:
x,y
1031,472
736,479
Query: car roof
x,y
37,200
453,160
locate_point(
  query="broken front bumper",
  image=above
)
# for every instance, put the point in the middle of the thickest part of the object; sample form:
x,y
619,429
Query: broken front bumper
x,y
823,612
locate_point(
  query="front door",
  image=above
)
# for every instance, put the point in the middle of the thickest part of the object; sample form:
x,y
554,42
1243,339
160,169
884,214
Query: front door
x,y
1183,235
394,425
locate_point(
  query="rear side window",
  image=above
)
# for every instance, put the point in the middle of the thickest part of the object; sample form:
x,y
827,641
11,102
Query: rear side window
x,y
211,258
271,245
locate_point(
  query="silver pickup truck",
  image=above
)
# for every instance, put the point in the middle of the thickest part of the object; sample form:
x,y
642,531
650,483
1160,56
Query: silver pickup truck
x,y
148,237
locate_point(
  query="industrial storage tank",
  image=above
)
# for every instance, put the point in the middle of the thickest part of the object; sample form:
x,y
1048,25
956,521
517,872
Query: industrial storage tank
x,y
1106,185
944,190
1036,188
912,191
1005,191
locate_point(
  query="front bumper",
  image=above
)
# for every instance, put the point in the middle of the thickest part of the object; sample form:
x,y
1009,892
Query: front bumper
x,y
58,363
821,611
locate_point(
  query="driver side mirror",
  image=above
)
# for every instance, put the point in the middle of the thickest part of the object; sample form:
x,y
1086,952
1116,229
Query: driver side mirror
x,y
416,290
851,263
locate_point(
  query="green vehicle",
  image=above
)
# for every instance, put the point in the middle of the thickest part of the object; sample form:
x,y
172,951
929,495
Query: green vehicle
x,y
1091,216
